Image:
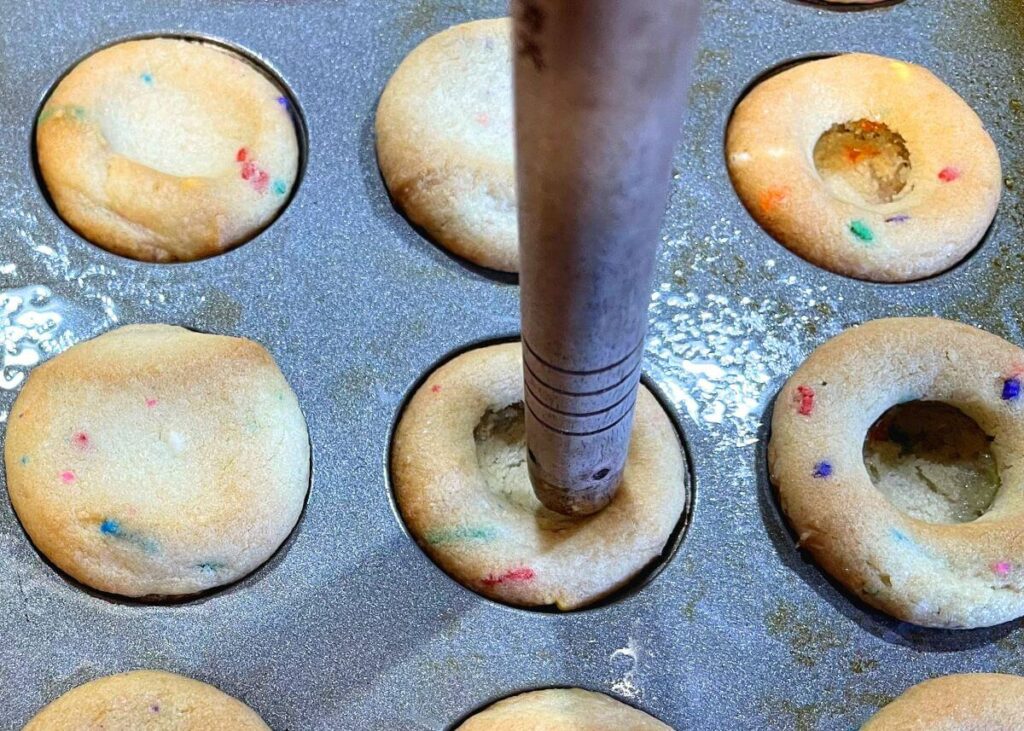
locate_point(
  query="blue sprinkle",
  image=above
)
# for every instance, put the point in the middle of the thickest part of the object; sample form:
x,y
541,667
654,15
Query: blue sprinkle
x,y
822,470
900,218
147,78
1011,389
110,527
283,101
900,537
210,568
279,187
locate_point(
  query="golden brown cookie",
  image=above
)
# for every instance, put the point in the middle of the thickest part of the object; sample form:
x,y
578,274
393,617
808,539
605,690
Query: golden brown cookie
x,y
562,709
948,574
445,142
458,462
153,461
864,165
146,699
968,702
167,149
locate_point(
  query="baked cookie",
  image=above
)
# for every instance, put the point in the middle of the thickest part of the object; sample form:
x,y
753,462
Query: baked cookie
x,y
561,709
167,149
968,702
146,699
864,165
458,463
153,461
949,574
445,142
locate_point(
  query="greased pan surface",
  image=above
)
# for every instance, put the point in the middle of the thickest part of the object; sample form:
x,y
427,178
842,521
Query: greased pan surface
x,y
350,626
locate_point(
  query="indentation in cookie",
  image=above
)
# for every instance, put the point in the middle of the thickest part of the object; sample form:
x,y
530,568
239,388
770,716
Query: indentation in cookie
x,y
933,462
500,438
863,161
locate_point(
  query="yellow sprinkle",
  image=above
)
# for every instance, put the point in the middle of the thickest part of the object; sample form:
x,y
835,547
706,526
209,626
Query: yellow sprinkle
x,y
190,183
902,70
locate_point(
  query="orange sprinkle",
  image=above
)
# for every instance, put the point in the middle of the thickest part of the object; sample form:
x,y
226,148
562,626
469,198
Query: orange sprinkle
x,y
854,154
771,198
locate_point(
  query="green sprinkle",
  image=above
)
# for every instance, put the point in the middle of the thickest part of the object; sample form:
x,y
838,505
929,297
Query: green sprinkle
x,y
862,232
60,111
279,187
24,459
460,533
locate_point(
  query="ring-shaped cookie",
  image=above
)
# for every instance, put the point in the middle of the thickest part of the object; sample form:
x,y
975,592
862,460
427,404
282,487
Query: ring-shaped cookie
x,y
938,575
561,709
493,535
970,701
146,699
945,207
167,149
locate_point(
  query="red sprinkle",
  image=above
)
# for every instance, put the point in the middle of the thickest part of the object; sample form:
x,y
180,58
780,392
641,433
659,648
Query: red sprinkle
x,y
805,397
948,175
521,574
436,388
242,155
81,440
67,477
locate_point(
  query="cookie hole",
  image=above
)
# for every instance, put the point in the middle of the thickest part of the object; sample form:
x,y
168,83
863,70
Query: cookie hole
x,y
933,462
863,162
501,455
181,123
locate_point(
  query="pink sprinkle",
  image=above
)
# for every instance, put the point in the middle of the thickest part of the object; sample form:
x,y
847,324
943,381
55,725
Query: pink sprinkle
x,y
81,440
436,388
242,155
1003,568
483,119
248,170
151,402
948,175
261,181
805,396
521,574
67,477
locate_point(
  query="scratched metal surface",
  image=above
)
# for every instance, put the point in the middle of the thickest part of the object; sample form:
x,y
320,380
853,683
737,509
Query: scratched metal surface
x,y
351,626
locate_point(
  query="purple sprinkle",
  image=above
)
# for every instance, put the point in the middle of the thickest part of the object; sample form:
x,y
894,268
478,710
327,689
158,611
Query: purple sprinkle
x,y
822,470
901,218
155,708
1011,389
283,101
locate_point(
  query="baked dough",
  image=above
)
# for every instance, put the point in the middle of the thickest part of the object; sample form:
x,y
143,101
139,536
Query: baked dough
x,y
167,149
153,461
561,709
146,699
908,193
445,142
955,575
461,484
968,702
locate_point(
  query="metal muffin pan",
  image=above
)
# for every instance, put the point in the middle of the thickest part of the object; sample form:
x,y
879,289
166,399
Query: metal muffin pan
x,y
350,626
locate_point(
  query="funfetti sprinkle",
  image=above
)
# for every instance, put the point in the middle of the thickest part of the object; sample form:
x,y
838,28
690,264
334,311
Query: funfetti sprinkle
x,y
822,470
